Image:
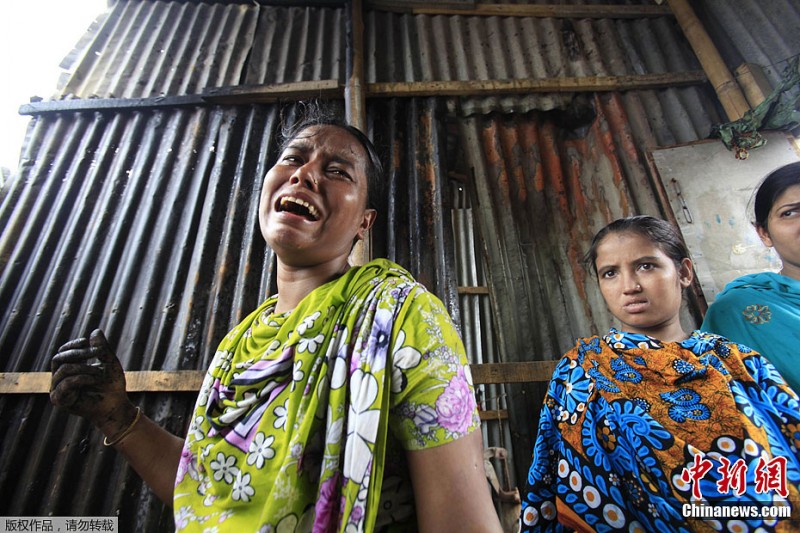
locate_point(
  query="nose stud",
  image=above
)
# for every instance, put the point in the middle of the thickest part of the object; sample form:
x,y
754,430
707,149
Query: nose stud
x,y
315,182
638,287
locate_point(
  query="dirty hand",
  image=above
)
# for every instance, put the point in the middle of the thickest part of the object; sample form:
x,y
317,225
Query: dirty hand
x,y
88,381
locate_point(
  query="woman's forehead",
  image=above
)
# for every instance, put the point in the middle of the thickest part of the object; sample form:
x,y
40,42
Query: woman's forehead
x,y
330,136
627,243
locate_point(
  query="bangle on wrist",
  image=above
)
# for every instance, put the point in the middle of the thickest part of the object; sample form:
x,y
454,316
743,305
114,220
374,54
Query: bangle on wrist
x,y
126,432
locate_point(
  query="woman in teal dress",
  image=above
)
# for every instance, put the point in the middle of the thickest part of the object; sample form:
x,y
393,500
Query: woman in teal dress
x,y
342,404
763,310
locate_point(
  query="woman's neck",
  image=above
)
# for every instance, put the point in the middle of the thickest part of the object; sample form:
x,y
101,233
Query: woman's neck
x,y
667,332
790,271
295,283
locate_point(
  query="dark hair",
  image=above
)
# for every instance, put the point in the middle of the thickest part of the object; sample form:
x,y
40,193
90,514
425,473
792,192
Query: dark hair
x,y
314,116
771,188
660,232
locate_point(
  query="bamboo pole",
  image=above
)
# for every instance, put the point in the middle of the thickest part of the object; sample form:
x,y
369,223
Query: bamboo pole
x,y
728,91
355,102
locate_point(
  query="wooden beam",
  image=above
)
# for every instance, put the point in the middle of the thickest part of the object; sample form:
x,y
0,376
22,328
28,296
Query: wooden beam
x,y
190,380
240,94
259,94
527,372
355,102
522,86
140,381
473,290
330,89
514,10
499,414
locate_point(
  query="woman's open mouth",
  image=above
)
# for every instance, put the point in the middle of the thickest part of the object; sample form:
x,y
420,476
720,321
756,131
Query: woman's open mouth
x,y
296,206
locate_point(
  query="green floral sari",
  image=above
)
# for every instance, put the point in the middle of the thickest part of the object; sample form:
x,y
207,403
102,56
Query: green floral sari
x,y
304,417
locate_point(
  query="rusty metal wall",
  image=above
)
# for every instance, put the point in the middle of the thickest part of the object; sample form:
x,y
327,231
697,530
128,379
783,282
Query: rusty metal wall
x,y
542,192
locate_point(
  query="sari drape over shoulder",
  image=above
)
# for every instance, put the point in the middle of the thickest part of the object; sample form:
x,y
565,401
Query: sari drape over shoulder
x,y
632,429
762,311
304,417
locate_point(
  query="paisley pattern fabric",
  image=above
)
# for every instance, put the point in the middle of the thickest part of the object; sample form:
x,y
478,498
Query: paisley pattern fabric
x,y
628,419
304,417
762,311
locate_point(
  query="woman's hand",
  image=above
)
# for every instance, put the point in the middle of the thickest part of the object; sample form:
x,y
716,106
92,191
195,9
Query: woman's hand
x,y
88,381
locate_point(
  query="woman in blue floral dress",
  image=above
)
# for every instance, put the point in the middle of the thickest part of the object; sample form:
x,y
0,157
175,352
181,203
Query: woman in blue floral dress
x,y
648,428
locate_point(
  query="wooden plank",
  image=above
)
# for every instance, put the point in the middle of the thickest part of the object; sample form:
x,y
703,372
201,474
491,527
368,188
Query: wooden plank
x,y
473,290
141,381
190,380
240,94
109,104
499,414
249,94
165,381
24,382
514,10
522,86
330,89
528,372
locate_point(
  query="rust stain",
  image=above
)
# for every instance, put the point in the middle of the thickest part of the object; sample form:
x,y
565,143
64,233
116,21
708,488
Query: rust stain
x,y
495,162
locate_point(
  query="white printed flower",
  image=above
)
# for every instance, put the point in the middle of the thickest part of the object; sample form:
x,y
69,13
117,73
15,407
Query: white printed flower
x,y
281,412
260,450
222,360
241,487
362,425
404,358
310,345
224,467
205,451
225,515
334,431
183,516
298,373
196,429
307,323
212,529
205,390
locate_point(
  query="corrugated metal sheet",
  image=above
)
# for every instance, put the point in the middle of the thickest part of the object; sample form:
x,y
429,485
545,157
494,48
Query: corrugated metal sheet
x,y
143,222
542,194
763,33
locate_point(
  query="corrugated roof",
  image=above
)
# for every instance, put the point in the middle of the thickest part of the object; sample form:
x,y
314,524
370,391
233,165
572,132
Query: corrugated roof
x,y
763,33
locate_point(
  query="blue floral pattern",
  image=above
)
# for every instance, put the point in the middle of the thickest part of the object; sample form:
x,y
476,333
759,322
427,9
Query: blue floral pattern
x,y
626,414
